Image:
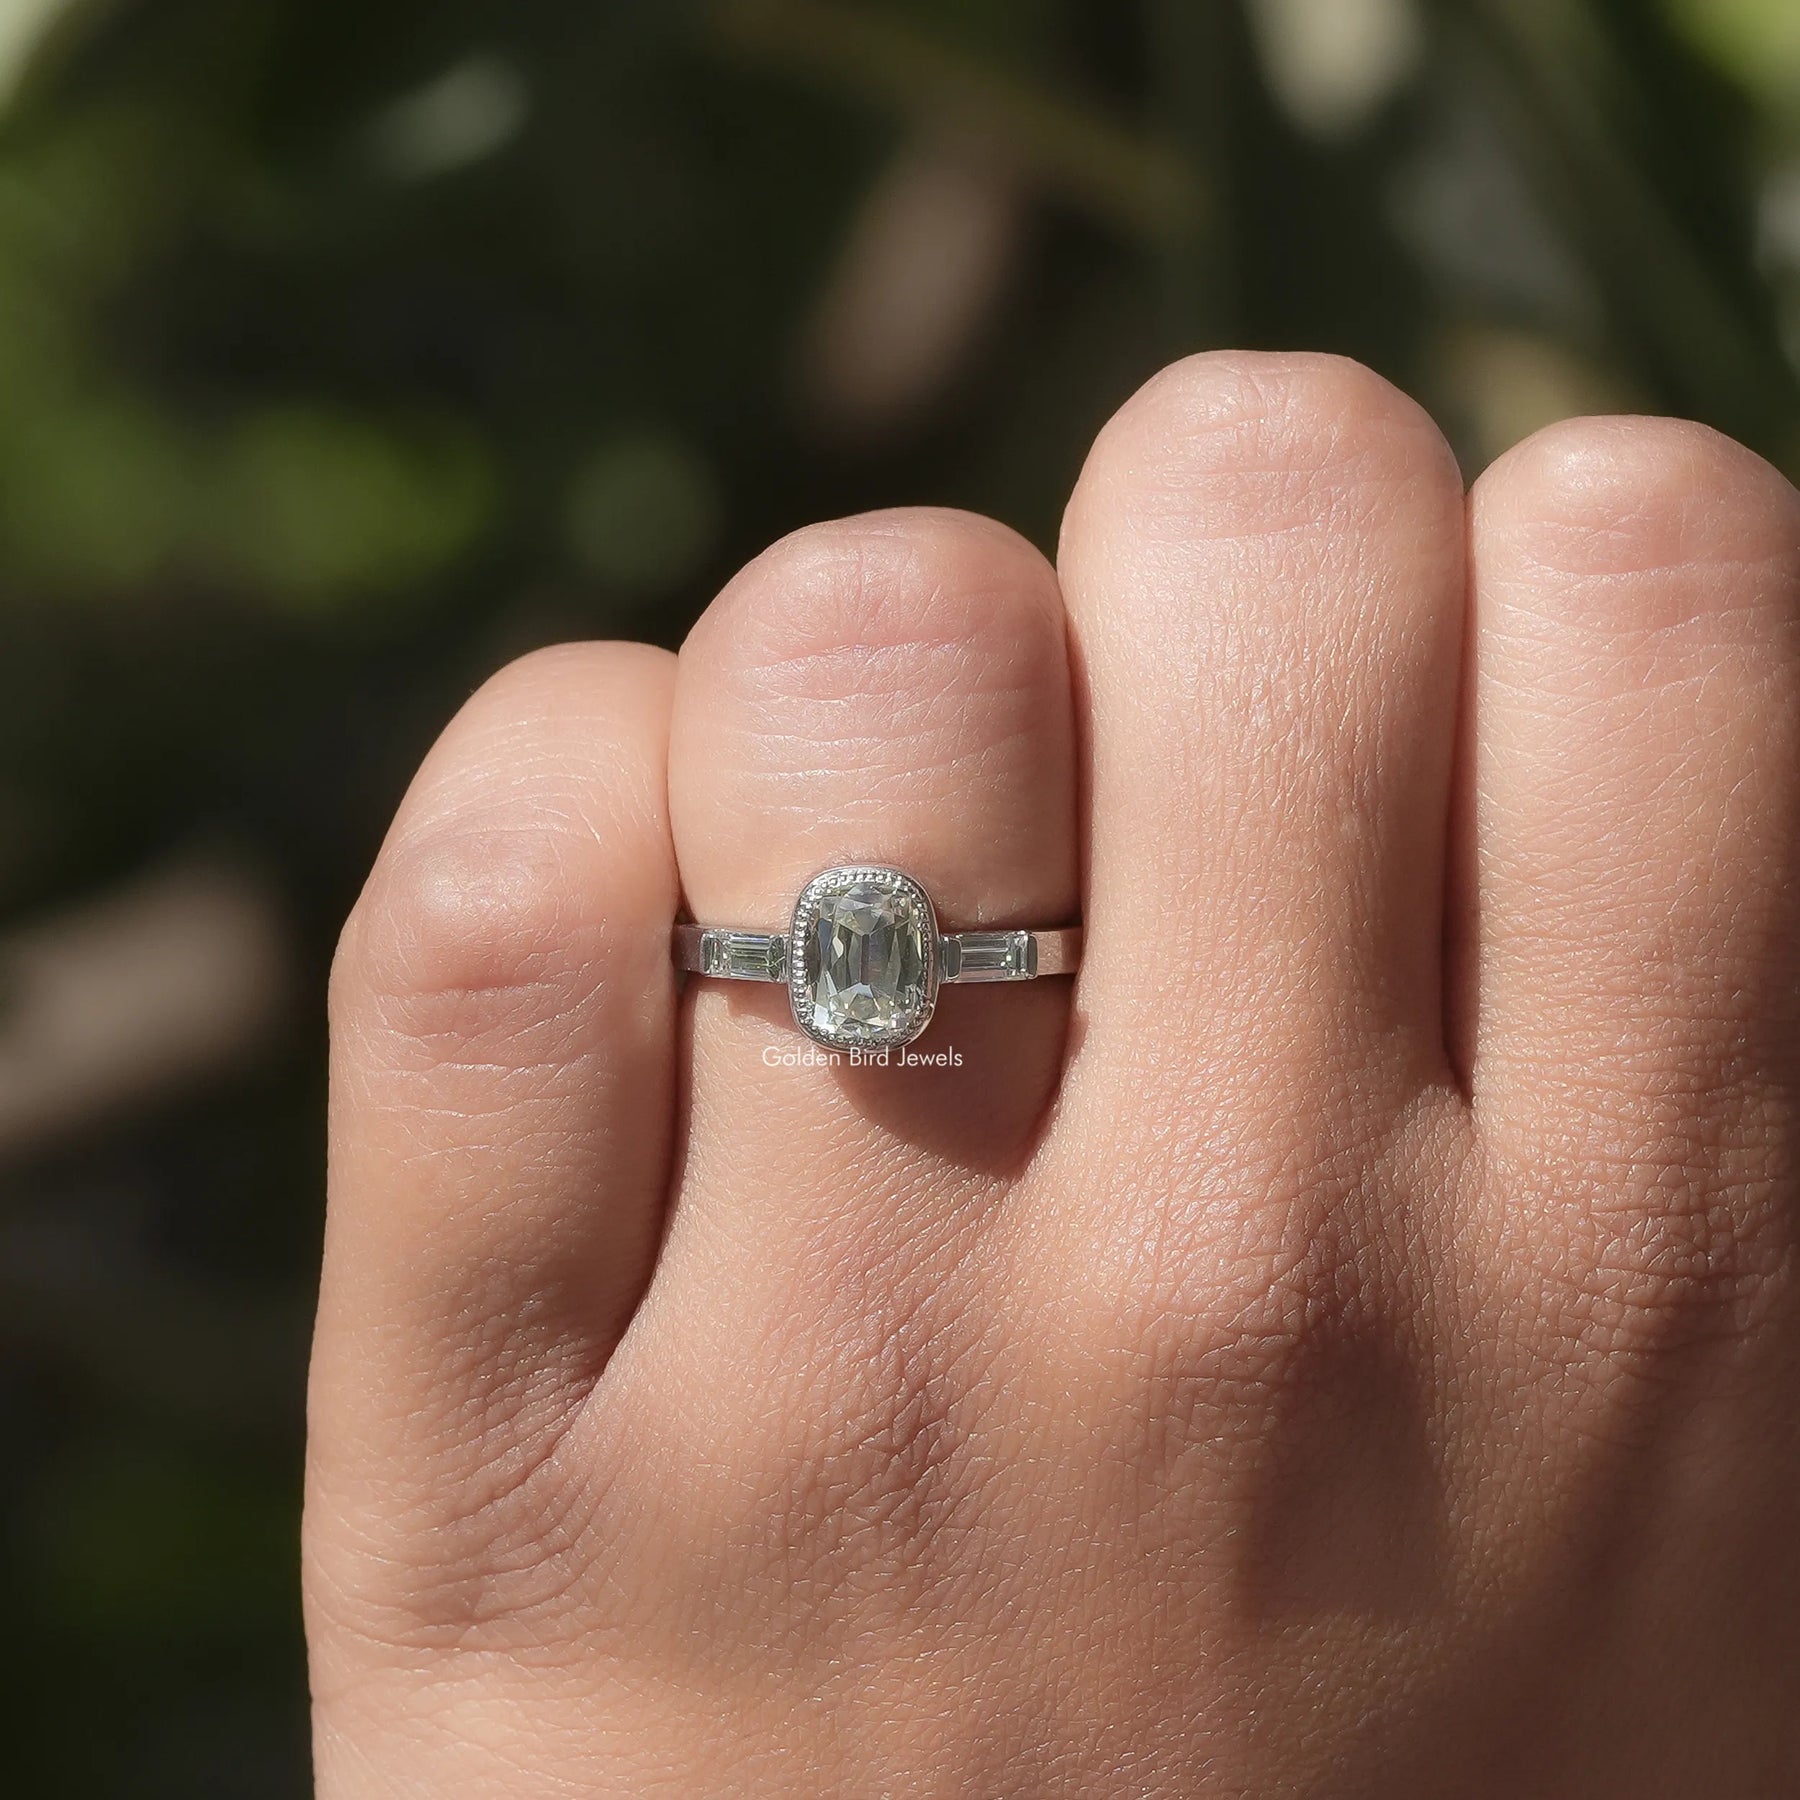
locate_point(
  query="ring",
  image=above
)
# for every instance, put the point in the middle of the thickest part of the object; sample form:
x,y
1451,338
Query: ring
x,y
863,959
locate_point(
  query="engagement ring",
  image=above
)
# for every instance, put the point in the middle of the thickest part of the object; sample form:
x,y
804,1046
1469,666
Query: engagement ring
x,y
863,960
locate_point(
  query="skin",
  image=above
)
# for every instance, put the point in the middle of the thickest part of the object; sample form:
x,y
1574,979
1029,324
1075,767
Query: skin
x,y
1343,1345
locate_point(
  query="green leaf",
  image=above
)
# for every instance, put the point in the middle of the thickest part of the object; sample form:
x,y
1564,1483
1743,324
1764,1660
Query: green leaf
x,y
320,506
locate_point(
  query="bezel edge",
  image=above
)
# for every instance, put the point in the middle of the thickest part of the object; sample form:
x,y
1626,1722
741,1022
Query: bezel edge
x,y
801,952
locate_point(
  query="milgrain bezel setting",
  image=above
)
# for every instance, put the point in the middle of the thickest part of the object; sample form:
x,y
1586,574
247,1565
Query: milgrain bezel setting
x,y
804,959
866,977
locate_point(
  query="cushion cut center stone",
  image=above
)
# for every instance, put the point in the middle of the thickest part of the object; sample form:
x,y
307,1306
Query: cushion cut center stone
x,y
873,960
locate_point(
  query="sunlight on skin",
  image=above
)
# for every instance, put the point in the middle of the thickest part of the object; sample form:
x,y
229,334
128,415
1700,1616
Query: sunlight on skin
x,y
1346,1345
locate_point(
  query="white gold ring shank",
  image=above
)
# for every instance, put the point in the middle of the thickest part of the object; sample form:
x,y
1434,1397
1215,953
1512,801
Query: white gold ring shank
x,y
863,958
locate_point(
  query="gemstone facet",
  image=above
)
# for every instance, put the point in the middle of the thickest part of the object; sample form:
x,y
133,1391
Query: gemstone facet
x,y
743,956
863,962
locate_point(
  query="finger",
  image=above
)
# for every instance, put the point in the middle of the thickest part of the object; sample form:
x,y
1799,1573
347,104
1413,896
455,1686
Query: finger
x,y
1635,781
1263,564
502,1069
891,689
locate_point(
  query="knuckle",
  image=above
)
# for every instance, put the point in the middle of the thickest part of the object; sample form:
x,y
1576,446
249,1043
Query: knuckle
x,y
1590,499
530,858
609,697
1253,443
915,578
514,684
900,644
470,934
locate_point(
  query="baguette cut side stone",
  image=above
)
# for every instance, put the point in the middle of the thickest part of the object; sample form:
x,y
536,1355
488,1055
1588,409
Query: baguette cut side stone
x,y
873,950
743,956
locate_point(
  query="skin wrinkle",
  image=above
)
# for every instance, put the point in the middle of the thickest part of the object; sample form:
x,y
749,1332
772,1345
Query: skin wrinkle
x,y
851,667
1748,590
508,1561
971,731
949,771
468,935
888,1496
1647,680
851,583
544,782
1176,443
547,1042
1612,553
937,690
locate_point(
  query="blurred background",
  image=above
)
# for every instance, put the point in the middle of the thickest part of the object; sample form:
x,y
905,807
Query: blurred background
x,y
350,347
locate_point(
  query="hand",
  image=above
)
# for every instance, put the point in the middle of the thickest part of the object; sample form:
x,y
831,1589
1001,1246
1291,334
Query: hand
x,y
1344,1344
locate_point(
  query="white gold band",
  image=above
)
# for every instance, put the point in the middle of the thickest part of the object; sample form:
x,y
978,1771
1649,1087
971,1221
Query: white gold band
x,y
964,956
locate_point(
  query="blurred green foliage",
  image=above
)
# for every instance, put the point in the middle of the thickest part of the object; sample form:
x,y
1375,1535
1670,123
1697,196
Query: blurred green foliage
x,y
348,349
